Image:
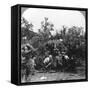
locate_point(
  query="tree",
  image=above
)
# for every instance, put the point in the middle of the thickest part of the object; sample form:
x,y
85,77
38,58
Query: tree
x,y
46,28
74,40
26,24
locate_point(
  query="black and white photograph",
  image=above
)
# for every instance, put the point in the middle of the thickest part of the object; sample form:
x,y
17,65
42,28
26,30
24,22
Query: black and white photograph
x,y
53,45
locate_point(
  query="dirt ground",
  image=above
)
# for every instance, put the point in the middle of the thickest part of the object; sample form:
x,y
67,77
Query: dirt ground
x,y
51,76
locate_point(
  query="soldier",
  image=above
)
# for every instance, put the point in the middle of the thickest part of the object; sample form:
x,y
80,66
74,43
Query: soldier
x,y
29,61
47,61
65,59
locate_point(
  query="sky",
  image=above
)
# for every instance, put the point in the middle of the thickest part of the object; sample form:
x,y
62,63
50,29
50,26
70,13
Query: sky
x,y
59,18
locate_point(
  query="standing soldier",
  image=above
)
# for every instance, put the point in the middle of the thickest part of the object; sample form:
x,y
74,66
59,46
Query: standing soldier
x,y
29,61
59,61
31,64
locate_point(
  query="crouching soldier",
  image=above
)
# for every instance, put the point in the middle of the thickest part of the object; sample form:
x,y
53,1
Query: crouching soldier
x,y
47,63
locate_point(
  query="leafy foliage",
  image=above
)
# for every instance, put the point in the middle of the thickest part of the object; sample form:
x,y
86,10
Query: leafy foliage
x,y
68,41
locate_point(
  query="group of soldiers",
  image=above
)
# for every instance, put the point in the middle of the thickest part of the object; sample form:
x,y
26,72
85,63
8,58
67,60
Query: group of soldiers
x,y
28,60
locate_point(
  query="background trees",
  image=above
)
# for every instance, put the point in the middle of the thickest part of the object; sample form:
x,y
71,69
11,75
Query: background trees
x,y
68,41
74,40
